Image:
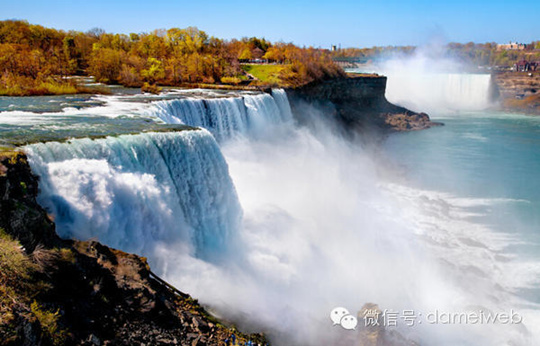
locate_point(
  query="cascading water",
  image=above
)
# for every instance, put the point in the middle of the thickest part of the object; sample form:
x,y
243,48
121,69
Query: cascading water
x,y
227,117
280,96
439,91
319,227
132,191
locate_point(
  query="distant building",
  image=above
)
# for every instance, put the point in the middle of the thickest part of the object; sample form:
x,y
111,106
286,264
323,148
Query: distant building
x,y
526,66
334,48
512,46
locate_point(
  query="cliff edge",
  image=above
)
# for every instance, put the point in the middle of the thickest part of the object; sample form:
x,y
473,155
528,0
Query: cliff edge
x,y
359,102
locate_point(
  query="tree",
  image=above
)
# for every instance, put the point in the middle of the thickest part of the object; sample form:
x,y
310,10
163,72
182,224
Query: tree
x,y
95,32
274,54
154,72
246,54
106,64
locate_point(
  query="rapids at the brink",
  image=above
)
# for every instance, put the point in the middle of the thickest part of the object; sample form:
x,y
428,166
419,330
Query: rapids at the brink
x,y
272,224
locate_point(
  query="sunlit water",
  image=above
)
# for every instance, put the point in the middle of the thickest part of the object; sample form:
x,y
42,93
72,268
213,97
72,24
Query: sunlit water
x,y
438,220
479,155
488,164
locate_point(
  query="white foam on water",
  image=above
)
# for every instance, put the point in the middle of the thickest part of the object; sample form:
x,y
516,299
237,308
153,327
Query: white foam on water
x,y
226,117
320,228
134,191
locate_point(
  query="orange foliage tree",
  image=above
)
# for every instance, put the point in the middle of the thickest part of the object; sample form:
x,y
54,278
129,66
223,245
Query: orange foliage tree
x,y
31,54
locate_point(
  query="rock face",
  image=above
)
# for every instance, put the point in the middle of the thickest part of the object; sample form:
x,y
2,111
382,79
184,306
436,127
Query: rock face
x,y
358,101
95,295
518,91
20,215
517,84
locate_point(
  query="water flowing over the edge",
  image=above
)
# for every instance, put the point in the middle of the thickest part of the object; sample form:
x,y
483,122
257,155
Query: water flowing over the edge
x,y
227,117
439,91
153,191
133,191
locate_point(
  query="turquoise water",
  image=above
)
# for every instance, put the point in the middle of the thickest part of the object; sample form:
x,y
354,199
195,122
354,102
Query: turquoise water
x,y
480,155
32,119
452,220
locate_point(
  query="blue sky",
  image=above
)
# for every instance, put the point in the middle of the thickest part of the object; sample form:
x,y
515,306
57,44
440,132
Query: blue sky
x,y
317,23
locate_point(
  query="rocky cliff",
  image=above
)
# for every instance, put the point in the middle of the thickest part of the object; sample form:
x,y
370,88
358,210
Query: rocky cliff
x,y
358,101
59,292
518,91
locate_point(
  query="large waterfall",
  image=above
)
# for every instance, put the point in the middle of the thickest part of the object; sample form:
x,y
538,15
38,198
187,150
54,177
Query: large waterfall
x,y
133,191
439,91
228,116
306,221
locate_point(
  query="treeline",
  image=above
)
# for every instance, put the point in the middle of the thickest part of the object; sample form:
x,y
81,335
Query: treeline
x,y
373,53
32,56
487,54
33,60
474,54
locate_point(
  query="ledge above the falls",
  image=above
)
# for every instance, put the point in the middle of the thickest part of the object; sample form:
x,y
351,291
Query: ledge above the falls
x,y
17,138
359,102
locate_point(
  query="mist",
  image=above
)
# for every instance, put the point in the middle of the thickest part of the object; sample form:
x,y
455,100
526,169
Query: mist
x,y
430,81
322,229
277,224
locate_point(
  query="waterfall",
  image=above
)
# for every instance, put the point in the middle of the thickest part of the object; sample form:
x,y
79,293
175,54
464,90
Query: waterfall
x,y
436,91
282,101
133,191
318,212
250,115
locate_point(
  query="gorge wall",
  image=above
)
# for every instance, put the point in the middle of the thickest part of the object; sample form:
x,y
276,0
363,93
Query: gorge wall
x,y
359,102
518,91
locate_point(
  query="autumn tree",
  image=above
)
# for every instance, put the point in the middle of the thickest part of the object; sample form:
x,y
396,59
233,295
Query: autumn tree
x,y
106,64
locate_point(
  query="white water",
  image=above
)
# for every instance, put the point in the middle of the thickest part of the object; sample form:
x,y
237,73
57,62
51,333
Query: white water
x,y
320,227
134,191
227,117
429,92
429,82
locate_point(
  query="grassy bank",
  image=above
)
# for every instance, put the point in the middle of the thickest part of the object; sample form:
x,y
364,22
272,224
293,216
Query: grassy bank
x,y
38,89
24,86
268,74
21,280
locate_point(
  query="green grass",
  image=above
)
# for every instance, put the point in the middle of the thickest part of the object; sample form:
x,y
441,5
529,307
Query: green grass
x,y
265,73
15,277
20,285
